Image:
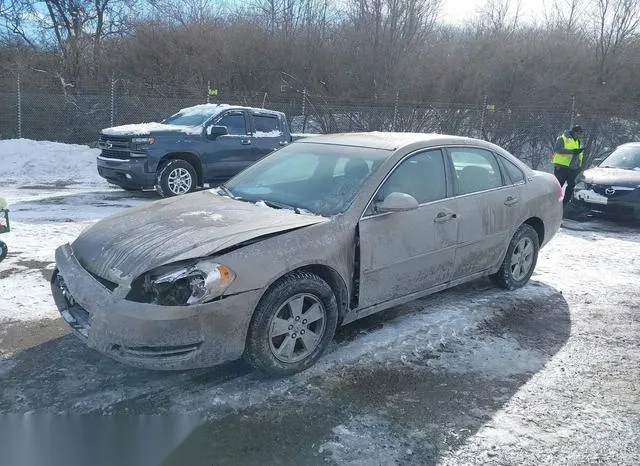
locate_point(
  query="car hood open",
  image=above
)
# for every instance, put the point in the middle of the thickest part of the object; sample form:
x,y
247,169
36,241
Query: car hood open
x,y
123,246
612,177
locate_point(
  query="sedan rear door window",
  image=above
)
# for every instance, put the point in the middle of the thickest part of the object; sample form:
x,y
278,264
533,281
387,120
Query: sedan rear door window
x,y
515,174
475,170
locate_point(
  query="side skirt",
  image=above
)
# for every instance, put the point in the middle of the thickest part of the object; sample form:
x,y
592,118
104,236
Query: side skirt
x,y
367,311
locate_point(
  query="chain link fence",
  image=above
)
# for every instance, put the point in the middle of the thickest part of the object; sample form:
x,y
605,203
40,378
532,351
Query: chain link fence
x,y
58,112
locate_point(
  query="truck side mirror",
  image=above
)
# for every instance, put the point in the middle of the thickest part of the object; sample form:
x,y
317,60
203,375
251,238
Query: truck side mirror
x,y
214,131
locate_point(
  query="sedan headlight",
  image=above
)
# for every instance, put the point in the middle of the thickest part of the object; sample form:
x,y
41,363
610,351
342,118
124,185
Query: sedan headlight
x,y
144,141
183,285
580,185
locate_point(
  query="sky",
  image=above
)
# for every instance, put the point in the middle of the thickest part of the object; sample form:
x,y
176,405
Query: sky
x,y
457,11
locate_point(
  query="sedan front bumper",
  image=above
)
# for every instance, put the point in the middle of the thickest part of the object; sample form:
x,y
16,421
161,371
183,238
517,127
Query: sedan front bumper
x,y
620,203
148,335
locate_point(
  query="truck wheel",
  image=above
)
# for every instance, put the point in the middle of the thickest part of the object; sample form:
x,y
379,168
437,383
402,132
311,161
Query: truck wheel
x,y
175,178
4,250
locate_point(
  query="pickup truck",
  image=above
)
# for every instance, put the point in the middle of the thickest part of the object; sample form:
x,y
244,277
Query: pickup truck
x,y
202,145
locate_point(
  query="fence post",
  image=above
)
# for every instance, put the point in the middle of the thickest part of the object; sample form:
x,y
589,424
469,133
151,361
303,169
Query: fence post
x,y
484,109
304,109
395,109
113,101
19,109
573,110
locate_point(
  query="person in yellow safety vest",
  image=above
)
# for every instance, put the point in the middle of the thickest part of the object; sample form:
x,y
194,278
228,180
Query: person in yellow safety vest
x,y
567,159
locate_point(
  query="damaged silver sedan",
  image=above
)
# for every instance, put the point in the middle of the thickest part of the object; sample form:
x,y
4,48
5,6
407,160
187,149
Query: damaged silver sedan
x,y
316,235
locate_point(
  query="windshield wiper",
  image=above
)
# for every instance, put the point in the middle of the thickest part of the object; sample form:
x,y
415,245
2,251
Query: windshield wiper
x,y
280,205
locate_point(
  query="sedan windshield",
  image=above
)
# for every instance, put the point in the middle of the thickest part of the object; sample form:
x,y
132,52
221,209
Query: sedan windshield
x,y
320,178
627,158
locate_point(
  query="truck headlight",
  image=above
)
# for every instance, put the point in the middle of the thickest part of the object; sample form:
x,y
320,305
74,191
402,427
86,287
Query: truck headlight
x,y
143,141
184,285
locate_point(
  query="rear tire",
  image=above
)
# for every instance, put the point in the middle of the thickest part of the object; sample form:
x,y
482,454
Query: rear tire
x,y
292,325
175,178
4,250
520,260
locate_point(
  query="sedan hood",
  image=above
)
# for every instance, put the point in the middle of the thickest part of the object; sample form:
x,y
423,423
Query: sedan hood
x,y
612,177
121,247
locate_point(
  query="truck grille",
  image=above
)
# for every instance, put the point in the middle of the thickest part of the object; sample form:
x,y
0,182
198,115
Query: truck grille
x,y
120,140
115,147
116,154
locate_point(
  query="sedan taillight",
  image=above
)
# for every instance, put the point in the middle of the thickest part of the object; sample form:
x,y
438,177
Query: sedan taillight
x,y
559,189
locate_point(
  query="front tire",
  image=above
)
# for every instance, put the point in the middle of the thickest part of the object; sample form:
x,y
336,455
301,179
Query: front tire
x,y
292,325
520,259
175,178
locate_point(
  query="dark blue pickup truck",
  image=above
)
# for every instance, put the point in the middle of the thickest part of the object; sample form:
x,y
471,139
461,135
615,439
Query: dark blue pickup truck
x,y
202,145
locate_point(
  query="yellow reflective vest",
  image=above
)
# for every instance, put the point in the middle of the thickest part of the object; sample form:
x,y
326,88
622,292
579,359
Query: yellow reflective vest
x,y
563,151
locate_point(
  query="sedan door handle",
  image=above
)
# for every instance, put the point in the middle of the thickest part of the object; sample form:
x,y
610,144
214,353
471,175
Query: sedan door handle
x,y
245,141
511,200
445,217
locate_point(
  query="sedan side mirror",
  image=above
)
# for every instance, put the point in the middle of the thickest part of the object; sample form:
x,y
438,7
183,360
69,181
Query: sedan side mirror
x,y
215,131
397,202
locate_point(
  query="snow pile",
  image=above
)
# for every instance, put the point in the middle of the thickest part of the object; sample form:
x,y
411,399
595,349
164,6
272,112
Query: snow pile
x,y
24,162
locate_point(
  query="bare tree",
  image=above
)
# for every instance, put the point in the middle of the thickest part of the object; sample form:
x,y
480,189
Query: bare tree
x,y
76,27
615,23
564,14
386,34
501,15
287,18
187,12
14,16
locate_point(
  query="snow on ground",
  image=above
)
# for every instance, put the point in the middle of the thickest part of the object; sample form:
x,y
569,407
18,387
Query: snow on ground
x,y
53,192
26,162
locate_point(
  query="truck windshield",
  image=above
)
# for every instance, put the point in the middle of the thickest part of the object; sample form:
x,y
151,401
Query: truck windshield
x,y
627,158
194,116
319,178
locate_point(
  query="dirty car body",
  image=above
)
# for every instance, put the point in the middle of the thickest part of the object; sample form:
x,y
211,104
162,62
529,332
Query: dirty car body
x,y
269,264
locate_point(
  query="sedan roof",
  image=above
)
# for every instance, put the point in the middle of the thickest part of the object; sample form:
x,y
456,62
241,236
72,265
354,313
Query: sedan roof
x,y
385,140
